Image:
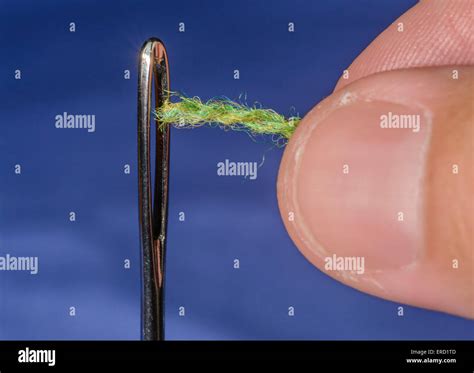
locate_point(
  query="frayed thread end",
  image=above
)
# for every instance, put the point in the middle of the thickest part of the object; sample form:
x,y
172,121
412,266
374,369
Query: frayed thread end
x,y
191,112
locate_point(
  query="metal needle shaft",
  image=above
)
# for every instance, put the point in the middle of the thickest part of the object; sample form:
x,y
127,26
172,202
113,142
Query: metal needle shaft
x,y
153,212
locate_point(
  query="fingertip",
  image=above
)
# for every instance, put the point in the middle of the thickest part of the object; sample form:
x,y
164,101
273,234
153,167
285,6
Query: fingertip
x,y
353,191
432,33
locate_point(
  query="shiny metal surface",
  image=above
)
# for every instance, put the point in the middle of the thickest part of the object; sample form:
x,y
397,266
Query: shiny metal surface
x,y
153,206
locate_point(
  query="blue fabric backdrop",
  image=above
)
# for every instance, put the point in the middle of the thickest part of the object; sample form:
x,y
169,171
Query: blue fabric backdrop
x,y
82,262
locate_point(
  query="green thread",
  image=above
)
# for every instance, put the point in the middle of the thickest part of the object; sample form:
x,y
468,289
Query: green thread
x,y
190,112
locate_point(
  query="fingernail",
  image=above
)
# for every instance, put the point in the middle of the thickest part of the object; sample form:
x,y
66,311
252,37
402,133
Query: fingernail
x,y
360,184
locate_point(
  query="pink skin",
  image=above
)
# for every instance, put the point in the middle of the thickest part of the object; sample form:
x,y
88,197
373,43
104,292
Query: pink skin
x,y
354,211
435,33
366,198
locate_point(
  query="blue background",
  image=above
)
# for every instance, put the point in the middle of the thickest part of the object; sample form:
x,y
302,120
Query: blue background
x,y
81,263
